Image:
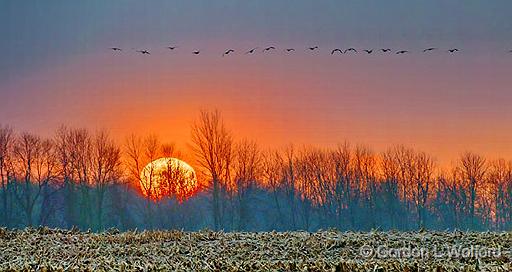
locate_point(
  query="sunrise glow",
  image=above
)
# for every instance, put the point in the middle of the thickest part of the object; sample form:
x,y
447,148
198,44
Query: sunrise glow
x,y
168,177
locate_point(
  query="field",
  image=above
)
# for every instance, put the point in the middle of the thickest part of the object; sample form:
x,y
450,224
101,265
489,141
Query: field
x,y
46,249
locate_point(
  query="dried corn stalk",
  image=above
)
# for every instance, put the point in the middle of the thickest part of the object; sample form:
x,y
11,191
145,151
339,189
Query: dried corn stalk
x,y
45,249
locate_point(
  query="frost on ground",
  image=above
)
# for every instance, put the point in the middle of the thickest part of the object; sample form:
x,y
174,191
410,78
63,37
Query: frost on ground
x,y
47,249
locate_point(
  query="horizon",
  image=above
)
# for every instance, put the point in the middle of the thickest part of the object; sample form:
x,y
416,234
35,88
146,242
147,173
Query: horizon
x,y
185,152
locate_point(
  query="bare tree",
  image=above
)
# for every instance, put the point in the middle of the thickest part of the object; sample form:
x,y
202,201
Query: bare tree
x,y
106,170
142,154
315,183
36,167
472,169
289,181
212,145
403,158
423,166
364,167
296,188
169,150
63,149
180,181
272,164
247,171
341,157
390,171
6,144
499,183
80,153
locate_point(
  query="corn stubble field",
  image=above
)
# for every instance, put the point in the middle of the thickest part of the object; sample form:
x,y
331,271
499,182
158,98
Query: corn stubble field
x,y
46,249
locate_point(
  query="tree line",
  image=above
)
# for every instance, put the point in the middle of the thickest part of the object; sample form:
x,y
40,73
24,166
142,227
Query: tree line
x,y
87,180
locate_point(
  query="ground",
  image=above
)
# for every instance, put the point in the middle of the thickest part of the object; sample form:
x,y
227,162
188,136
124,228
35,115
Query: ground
x,y
46,249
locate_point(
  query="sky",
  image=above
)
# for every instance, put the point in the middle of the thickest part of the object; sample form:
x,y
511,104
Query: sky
x,y
56,68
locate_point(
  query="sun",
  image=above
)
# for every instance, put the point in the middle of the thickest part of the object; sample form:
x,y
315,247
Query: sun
x,y
168,177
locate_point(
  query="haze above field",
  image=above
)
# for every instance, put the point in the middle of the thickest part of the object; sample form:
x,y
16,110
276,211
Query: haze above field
x,y
56,68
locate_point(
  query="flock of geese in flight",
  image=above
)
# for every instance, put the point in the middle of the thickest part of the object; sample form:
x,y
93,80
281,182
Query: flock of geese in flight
x,y
312,48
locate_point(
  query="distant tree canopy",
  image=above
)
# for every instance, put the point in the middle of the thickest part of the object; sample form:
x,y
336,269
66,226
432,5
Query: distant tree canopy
x,y
83,179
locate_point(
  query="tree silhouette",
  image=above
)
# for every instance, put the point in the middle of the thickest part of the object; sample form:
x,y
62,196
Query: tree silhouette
x,y
212,145
83,179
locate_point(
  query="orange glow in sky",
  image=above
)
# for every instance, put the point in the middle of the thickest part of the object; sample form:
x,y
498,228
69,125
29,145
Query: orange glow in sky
x,y
415,101
57,68
168,177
